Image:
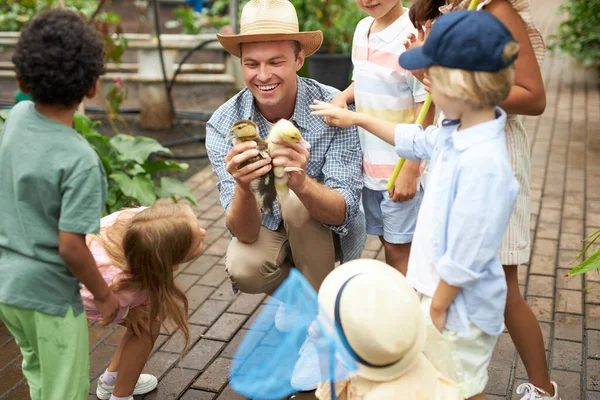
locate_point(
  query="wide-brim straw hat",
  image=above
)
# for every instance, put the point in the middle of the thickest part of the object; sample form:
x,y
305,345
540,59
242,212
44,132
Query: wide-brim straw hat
x,y
269,21
379,316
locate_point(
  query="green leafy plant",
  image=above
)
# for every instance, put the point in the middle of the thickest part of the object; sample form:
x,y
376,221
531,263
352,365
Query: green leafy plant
x,y
3,116
336,18
129,168
15,13
192,22
591,263
579,34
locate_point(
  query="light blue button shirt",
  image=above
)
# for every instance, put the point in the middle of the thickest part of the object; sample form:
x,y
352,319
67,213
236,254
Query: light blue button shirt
x,y
473,206
335,157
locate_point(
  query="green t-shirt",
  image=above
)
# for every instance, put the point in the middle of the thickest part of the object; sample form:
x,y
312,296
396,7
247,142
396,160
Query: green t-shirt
x,y
50,180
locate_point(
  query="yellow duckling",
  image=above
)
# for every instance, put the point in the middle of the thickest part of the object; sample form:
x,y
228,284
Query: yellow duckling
x,y
263,187
286,131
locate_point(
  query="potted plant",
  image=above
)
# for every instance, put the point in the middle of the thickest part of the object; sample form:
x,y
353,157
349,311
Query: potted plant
x,y
332,64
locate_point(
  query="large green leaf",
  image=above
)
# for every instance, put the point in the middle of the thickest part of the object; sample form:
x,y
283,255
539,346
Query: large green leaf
x,y
176,188
593,237
592,263
136,148
3,116
136,169
140,187
163,165
84,124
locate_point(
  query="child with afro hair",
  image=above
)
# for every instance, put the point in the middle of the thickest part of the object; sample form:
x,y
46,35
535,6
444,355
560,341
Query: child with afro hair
x,y
52,192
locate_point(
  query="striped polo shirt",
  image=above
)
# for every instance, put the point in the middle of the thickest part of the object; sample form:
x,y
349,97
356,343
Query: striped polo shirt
x,y
384,90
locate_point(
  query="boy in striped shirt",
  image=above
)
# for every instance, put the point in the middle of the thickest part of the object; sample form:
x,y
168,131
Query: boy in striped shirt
x,y
384,90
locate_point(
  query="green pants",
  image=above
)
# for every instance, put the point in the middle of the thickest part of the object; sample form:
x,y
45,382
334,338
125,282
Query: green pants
x,y
55,352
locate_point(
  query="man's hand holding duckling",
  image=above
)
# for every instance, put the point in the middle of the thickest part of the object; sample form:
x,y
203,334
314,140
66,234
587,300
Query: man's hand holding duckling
x,y
294,157
243,152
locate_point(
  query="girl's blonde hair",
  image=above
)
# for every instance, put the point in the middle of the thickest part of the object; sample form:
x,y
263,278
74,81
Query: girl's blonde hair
x,y
148,246
479,89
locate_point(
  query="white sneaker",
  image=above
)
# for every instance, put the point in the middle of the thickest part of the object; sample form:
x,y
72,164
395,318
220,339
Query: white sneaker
x,y
307,375
534,393
145,384
289,317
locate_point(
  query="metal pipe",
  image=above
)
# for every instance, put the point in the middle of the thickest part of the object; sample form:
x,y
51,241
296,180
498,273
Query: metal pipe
x,y
233,15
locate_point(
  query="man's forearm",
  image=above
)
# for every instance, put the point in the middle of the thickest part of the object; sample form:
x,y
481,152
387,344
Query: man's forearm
x,y
244,218
324,204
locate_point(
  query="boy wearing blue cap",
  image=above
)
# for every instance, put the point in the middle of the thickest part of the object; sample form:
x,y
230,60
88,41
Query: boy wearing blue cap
x,y
454,263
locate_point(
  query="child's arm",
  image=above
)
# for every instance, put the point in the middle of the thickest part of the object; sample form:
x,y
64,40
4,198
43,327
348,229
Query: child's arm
x,y
527,96
79,260
486,192
442,298
410,140
344,98
405,186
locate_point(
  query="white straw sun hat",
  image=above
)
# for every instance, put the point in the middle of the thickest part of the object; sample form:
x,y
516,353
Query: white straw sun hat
x,y
379,316
267,21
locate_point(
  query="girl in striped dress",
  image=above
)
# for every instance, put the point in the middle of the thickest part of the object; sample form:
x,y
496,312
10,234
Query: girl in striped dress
x,y
527,97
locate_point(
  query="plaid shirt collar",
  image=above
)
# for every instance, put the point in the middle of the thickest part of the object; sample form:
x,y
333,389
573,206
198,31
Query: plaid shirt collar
x,y
301,111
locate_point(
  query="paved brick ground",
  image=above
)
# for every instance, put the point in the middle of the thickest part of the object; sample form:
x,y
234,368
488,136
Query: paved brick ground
x,y
566,207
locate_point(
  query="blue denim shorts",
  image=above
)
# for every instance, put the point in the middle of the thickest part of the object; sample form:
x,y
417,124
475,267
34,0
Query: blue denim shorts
x,y
396,222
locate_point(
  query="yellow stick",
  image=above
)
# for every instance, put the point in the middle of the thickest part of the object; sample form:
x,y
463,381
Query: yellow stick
x,y
420,119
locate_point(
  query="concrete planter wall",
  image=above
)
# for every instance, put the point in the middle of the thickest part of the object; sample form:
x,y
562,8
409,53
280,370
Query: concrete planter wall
x,y
204,82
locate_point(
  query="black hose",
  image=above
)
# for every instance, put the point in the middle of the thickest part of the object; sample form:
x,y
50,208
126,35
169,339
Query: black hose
x,y
184,59
160,53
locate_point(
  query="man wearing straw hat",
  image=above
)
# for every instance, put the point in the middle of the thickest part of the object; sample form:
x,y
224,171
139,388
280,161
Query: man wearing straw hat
x,y
322,221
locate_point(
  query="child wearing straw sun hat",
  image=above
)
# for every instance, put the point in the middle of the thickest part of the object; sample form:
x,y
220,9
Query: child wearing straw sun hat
x,y
454,263
378,316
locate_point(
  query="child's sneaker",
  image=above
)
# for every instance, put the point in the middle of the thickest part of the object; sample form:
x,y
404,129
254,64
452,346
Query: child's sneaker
x,y
145,384
307,375
534,393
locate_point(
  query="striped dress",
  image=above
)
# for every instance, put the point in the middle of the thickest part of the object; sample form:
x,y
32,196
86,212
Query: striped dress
x,y
516,245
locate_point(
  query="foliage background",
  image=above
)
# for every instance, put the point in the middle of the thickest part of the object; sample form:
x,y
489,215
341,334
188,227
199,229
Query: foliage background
x,y
579,34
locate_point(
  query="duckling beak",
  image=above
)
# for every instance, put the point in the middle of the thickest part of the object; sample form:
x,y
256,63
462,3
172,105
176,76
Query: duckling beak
x,y
304,144
230,136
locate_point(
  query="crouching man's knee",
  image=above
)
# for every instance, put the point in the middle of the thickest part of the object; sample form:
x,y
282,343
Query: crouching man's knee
x,y
249,269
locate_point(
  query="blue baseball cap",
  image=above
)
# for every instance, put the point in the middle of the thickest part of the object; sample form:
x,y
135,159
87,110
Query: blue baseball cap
x,y
469,40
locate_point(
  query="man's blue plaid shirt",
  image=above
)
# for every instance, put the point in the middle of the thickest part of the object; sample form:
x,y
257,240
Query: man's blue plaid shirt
x,y
335,157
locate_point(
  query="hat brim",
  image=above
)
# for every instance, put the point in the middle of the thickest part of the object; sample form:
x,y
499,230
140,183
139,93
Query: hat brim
x,y
414,59
327,298
310,42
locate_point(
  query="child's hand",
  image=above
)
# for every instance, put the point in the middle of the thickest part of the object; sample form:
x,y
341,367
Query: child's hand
x,y
405,187
427,83
108,308
339,101
339,117
438,318
412,42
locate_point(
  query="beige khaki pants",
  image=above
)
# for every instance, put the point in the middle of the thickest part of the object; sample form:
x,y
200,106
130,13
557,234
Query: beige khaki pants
x,y
301,242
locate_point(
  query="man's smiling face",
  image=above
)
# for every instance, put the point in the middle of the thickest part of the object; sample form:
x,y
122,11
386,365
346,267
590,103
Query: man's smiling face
x,y
270,72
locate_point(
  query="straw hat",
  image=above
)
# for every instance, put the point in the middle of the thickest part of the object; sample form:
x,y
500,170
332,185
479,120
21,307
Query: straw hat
x,y
268,21
379,315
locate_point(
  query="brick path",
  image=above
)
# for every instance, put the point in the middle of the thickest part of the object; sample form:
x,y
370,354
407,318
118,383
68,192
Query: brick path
x,y
565,208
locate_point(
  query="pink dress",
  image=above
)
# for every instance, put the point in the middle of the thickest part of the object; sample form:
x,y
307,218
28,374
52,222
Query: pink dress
x,y
111,274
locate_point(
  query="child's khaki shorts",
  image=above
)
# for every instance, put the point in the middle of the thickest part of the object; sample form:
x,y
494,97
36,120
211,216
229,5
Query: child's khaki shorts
x,y
465,361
